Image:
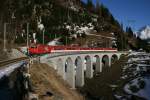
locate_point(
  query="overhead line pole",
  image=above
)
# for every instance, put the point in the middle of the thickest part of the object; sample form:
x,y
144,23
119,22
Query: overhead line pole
x,y
43,35
5,25
27,38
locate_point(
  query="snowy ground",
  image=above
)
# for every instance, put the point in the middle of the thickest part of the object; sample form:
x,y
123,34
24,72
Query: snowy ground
x,y
23,49
137,72
145,92
138,65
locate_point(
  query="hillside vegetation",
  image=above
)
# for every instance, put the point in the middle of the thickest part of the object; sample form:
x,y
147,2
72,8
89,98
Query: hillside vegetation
x,y
64,19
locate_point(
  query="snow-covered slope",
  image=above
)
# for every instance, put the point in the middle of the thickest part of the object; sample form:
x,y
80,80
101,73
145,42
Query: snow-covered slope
x,y
144,33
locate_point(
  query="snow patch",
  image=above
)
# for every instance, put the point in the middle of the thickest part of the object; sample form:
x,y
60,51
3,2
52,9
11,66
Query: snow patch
x,y
8,70
142,92
54,42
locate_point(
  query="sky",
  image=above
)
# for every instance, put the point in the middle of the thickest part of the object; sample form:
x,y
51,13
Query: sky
x,y
134,13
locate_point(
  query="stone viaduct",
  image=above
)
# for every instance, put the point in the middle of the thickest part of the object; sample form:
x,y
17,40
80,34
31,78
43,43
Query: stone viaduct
x,y
74,66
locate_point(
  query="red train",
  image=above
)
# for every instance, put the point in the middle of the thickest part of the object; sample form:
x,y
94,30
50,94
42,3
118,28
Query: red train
x,y
43,49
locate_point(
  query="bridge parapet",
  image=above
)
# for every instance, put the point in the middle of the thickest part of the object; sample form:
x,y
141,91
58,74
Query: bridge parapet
x,y
52,55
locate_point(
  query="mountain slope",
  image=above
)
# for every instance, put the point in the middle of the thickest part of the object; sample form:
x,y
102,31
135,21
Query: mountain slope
x,y
65,19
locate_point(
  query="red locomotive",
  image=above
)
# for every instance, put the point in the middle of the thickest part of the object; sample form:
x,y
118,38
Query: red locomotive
x,y
43,49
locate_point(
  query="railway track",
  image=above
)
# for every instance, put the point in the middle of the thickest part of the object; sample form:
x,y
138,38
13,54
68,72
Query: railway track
x,y
8,62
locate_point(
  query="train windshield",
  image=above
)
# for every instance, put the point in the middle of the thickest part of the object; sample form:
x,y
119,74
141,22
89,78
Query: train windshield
x,y
33,46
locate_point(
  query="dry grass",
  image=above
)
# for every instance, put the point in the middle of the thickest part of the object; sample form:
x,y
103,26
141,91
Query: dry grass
x,y
45,79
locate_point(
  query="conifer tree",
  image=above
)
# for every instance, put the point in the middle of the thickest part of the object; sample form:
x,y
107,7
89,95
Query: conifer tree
x,y
98,8
90,5
129,31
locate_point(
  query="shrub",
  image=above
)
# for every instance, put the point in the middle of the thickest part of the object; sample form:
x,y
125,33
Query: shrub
x,y
134,88
141,84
